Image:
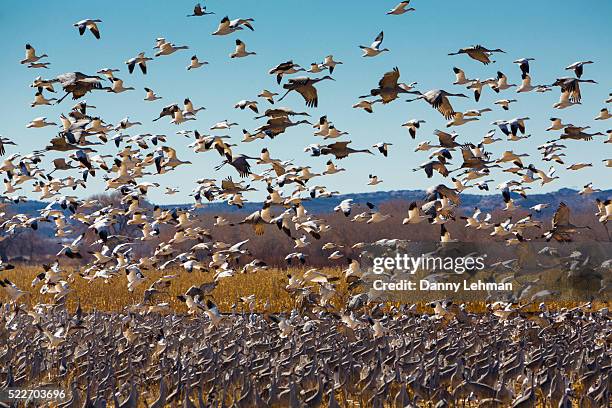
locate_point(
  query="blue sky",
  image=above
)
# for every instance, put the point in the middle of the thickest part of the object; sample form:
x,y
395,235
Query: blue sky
x,y
555,33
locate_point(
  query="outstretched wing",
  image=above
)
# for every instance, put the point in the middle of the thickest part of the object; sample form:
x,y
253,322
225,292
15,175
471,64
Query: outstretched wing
x,y
378,41
446,139
389,80
339,145
561,216
479,53
573,87
309,93
443,106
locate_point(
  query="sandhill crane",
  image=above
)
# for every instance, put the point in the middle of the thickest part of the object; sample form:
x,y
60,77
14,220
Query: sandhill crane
x,y
30,55
278,125
3,142
430,166
199,11
141,60
438,99
239,162
39,65
572,86
339,149
447,140
577,133
478,53
77,84
305,87
389,87
523,64
195,63
167,111
561,227
90,24
401,8
374,49
228,27
564,101
281,112
285,68
241,51
578,67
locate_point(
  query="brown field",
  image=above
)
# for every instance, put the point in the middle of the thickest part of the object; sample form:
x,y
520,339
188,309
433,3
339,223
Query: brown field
x,y
268,287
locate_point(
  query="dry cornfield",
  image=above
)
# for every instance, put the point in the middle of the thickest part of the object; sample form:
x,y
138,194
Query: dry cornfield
x,y
268,287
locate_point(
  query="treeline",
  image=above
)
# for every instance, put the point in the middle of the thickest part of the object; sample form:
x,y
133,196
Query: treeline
x,y
272,247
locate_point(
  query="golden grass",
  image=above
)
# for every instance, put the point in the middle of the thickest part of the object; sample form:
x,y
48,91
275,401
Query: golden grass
x,y
267,286
114,295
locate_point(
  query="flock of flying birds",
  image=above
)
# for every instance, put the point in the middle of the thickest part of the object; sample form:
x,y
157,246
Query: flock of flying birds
x,y
85,226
